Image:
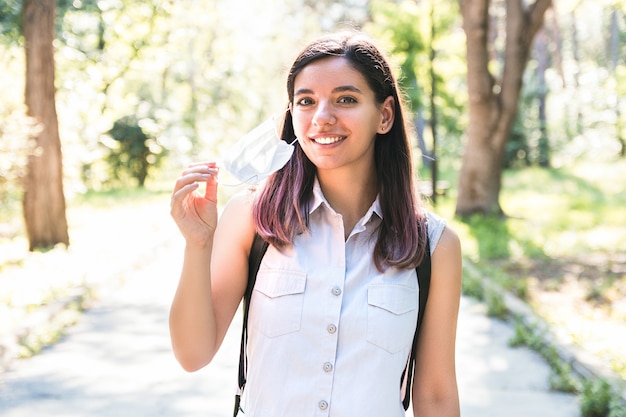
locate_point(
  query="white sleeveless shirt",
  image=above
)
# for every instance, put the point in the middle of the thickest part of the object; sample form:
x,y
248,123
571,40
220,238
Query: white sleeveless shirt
x,y
329,334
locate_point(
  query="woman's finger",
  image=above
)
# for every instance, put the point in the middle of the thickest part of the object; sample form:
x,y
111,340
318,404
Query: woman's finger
x,y
210,192
179,194
201,167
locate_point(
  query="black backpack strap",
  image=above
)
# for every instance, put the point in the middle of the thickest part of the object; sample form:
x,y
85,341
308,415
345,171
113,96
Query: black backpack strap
x,y
423,281
258,249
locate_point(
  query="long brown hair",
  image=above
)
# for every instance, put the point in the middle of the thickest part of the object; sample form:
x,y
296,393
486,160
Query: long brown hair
x,y
281,210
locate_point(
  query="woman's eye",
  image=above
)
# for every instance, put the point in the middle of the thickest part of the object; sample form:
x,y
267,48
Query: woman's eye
x,y
304,101
347,100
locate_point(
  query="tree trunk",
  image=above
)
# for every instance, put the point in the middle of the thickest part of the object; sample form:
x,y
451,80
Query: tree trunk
x,y
44,202
492,103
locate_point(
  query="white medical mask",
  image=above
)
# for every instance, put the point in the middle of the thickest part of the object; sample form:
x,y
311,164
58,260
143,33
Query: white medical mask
x,y
258,154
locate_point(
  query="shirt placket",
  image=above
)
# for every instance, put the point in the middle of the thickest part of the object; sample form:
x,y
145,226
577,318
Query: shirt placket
x,y
333,300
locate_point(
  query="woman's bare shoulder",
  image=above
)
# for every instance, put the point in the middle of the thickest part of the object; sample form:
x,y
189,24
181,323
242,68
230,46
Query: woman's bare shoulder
x,y
447,257
236,224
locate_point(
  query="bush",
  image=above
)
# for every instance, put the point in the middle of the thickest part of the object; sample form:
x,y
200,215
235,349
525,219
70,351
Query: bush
x,y
132,153
597,398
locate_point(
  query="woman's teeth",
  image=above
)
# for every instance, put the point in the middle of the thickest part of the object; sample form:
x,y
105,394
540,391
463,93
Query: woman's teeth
x,y
328,141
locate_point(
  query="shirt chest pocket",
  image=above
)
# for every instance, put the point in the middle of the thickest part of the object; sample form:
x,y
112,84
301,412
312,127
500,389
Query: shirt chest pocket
x,y
276,305
391,316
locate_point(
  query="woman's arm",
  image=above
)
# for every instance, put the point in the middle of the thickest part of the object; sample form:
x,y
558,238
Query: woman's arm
x,y
435,392
215,267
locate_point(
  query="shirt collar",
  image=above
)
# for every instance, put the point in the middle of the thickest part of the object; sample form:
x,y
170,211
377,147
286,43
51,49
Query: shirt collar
x,y
319,199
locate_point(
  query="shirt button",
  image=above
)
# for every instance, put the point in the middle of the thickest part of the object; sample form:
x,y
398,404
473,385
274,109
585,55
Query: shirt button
x,y
336,291
331,328
323,405
328,367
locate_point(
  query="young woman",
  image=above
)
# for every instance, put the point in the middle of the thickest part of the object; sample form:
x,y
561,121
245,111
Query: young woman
x,y
334,309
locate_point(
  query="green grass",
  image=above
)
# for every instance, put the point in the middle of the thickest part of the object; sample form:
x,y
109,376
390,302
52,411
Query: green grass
x,y
551,213
557,220
568,211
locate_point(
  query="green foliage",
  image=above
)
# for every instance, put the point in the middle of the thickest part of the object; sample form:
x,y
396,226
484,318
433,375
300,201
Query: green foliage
x,y
133,153
496,307
10,20
472,283
187,66
597,400
492,235
572,211
411,29
403,26
563,378
617,409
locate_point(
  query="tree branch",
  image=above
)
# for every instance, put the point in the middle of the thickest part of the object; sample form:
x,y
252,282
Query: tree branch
x,y
534,19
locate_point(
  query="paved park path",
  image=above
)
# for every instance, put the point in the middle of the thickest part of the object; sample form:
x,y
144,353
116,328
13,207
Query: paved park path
x,y
117,362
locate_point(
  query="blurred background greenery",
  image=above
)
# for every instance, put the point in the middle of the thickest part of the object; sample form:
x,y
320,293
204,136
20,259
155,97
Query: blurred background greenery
x,y
145,87
181,79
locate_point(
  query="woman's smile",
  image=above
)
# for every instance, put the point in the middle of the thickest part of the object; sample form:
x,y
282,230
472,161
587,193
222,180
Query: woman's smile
x,y
328,140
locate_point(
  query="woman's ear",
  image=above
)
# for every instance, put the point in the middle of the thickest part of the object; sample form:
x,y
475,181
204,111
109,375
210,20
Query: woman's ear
x,y
387,115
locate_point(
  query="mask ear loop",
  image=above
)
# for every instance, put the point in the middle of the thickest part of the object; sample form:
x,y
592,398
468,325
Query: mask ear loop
x,y
252,182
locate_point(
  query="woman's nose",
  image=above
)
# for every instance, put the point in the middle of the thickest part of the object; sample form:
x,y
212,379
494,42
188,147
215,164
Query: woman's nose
x,y
324,115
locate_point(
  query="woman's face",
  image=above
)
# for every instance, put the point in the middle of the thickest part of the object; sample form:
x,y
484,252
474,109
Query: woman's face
x,y
336,117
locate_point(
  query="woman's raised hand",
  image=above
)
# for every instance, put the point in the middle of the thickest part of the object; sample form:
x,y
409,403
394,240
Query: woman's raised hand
x,y
196,214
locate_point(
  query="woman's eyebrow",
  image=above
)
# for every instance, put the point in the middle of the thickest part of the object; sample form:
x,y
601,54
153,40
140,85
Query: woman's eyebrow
x,y
340,89
344,88
303,91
